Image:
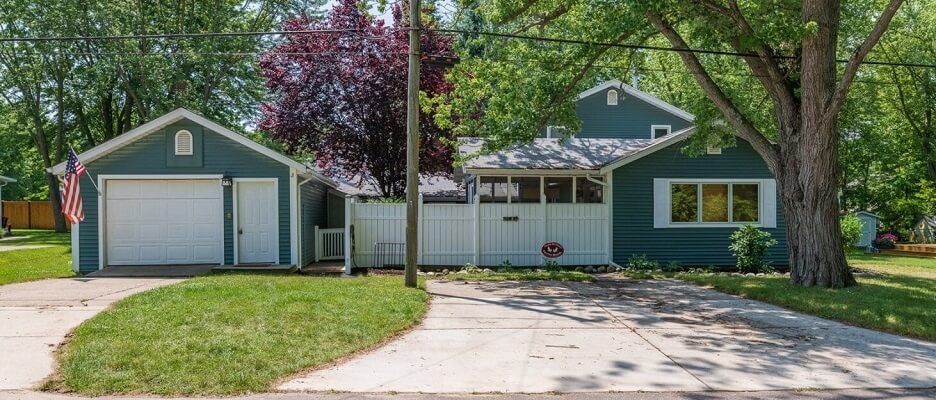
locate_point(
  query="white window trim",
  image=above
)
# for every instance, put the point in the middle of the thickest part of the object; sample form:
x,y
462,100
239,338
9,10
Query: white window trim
x,y
612,97
191,143
653,128
766,203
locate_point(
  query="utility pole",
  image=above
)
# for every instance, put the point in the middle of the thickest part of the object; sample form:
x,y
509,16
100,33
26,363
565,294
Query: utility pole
x,y
412,147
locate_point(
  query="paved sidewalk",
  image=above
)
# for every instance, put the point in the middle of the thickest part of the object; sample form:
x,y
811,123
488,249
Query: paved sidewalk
x,y
36,316
622,335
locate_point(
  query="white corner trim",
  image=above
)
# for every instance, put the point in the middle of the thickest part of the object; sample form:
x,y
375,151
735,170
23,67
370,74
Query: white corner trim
x,y
658,145
653,129
294,203
646,97
179,114
75,248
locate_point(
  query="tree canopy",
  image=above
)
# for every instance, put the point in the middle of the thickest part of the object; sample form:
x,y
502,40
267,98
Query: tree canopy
x,y
341,96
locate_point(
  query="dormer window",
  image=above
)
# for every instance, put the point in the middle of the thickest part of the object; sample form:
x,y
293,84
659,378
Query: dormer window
x,y
658,131
612,97
183,143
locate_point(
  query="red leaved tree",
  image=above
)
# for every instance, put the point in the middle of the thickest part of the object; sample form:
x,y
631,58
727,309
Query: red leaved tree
x,y
342,96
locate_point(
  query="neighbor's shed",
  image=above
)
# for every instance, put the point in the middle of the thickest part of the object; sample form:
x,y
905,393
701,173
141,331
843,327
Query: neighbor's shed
x,y
869,225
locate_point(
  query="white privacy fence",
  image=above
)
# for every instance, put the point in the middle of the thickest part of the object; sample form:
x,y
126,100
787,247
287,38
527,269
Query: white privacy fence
x,y
486,234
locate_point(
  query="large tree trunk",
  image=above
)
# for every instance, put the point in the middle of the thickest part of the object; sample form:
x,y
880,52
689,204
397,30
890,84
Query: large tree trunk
x,y
808,173
811,213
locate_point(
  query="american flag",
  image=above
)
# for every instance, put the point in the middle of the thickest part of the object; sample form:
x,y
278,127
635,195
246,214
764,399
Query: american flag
x,y
71,195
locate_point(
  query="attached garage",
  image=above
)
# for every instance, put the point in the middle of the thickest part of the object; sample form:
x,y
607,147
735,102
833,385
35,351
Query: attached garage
x,y
164,221
183,190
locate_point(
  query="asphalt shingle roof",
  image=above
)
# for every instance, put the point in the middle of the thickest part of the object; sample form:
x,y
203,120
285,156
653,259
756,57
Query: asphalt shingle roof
x,y
544,153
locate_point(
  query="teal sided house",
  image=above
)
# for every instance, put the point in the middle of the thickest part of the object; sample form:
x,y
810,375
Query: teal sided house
x,y
182,189
625,174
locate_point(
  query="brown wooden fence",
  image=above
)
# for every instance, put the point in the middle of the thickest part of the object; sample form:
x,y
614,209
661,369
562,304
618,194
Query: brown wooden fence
x,y
29,214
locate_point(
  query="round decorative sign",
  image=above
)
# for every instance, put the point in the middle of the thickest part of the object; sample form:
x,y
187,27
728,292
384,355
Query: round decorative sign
x,y
552,250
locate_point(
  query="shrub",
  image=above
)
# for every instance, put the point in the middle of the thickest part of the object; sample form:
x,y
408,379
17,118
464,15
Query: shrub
x,y
749,245
471,268
885,241
642,263
551,265
673,266
851,230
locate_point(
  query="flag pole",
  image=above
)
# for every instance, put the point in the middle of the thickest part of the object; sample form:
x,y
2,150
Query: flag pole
x,y
88,171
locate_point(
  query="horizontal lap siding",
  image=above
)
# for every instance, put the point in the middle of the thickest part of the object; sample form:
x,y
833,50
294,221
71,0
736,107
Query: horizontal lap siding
x,y
631,118
634,233
147,156
313,213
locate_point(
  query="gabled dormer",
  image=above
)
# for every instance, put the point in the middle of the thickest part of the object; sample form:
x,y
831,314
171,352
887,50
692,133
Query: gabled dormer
x,y
616,110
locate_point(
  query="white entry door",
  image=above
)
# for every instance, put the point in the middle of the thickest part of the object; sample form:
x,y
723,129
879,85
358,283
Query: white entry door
x,y
257,226
163,221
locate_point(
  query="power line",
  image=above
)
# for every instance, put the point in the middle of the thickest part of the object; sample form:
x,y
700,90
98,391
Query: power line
x,y
661,48
174,35
446,31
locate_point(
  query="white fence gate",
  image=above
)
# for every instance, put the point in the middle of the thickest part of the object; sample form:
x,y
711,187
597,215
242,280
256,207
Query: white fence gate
x,y
329,244
483,233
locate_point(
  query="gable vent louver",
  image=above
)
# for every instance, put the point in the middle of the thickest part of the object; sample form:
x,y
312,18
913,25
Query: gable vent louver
x,y
183,143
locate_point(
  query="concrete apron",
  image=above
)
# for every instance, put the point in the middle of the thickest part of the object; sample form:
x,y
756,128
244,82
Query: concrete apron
x,y
36,316
622,335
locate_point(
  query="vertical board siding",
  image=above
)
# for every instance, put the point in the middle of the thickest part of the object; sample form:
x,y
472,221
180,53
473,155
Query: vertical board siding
x,y
447,232
313,197
634,233
631,118
582,229
147,156
376,223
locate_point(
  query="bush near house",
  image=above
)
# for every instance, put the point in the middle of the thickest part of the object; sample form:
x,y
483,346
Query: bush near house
x,y
749,245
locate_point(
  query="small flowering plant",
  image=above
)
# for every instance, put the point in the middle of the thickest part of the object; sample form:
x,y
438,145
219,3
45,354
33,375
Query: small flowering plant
x,y
885,241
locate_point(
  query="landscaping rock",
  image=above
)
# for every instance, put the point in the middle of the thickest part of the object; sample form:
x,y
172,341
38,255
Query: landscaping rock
x,y
430,273
579,269
487,270
462,271
601,269
590,269
445,271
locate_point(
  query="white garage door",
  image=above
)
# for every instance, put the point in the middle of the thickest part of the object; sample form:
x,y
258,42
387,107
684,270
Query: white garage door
x,y
154,222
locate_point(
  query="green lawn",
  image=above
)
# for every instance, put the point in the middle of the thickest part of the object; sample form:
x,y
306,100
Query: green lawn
x,y
234,333
901,299
25,265
521,275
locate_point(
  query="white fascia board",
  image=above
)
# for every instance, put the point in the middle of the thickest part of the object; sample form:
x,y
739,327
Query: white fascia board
x,y
647,97
176,115
667,141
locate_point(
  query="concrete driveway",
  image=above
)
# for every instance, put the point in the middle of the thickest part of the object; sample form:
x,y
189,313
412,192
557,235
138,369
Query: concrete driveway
x,y
622,335
36,316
